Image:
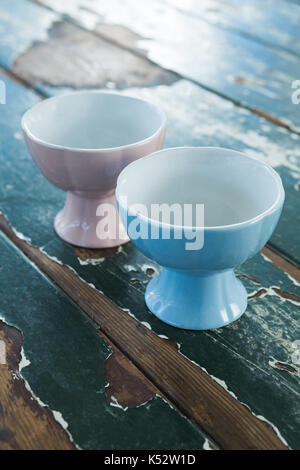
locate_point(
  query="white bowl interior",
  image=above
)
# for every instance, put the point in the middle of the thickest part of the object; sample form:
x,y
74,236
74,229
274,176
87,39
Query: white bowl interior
x,y
234,188
93,120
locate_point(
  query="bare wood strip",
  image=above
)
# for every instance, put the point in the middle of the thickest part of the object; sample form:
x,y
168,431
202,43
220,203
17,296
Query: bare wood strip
x,y
125,38
127,384
24,423
229,423
282,263
19,81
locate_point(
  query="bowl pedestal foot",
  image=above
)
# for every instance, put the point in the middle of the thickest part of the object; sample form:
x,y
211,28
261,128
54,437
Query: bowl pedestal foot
x,y
196,300
90,220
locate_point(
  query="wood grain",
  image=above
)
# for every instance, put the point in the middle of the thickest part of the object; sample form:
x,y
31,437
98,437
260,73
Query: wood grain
x,y
74,58
24,423
282,263
185,104
252,73
245,131
272,22
66,367
229,423
126,385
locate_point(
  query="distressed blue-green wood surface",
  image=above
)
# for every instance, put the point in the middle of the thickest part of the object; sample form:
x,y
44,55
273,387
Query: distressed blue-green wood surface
x,y
275,22
243,354
213,122
186,105
66,370
238,67
21,24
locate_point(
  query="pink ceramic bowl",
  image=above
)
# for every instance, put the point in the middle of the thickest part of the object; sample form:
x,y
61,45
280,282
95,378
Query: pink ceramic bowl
x,y
81,142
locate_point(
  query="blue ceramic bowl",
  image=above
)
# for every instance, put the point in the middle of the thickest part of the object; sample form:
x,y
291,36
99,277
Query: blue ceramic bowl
x,y
158,197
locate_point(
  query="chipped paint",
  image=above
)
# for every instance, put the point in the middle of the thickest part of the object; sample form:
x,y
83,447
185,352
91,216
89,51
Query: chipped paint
x,y
130,314
223,384
149,270
91,261
75,59
21,236
114,402
275,290
266,258
272,426
28,14
127,387
56,414
166,401
219,381
56,260
88,256
275,22
75,10
17,376
129,268
291,278
121,250
251,140
294,281
163,336
207,445
251,279
24,361
262,65
53,258
280,365
188,432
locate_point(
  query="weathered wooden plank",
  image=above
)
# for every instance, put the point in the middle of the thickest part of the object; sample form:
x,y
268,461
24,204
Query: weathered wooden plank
x,y
16,28
24,423
197,117
229,357
285,238
282,263
65,56
275,22
270,21
200,397
245,71
243,355
64,364
243,351
186,105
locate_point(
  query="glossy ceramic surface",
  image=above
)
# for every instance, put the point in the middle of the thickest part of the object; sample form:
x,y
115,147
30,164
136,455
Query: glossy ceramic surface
x,y
242,198
81,141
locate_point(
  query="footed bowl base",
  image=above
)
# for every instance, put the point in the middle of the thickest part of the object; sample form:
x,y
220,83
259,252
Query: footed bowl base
x,y
201,300
90,221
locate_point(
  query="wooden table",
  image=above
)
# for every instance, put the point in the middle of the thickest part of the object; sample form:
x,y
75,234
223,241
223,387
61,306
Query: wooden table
x,y
87,365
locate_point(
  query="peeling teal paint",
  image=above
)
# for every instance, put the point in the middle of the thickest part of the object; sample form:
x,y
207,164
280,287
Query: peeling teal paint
x,y
66,370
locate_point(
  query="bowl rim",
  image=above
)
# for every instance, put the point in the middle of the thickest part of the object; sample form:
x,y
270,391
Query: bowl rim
x,y
277,204
50,145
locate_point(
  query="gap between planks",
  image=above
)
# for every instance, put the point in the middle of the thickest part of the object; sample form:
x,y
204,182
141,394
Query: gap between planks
x,y
282,263
281,260
259,112
229,424
20,81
